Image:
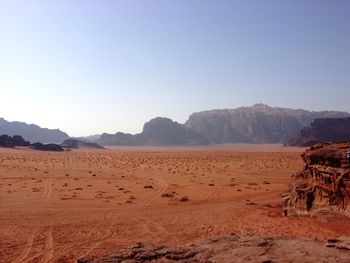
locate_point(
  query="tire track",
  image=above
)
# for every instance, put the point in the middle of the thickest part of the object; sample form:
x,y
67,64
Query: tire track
x,y
86,253
47,189
26,251
195,194
48,254
162,187
155,229
70,248
219,191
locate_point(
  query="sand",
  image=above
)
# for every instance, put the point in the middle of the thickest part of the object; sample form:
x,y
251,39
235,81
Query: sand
x,y
58,207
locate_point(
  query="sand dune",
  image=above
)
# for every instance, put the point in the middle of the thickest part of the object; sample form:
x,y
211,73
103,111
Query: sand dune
x,y
57,207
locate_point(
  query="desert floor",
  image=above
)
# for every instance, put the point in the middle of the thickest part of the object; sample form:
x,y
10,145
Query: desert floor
x,y
57,207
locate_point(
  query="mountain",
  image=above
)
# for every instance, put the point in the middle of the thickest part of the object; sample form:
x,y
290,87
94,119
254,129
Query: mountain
x,y
90,138
77,144
158,131
320,130
255,124
31,132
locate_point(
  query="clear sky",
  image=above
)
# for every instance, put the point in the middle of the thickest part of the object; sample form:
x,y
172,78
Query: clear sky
x,y
89,67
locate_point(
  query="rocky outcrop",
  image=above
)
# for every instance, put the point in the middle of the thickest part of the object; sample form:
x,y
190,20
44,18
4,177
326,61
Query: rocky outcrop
x,y
11,142
329,129
324,184
78,144
31,132
233,248
15,141
255,124
158,131
47,147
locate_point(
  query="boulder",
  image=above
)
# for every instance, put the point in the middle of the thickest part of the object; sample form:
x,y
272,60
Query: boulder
x,y
324,183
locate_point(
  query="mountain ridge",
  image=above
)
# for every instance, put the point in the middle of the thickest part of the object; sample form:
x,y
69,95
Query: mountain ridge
x,y
157,131
320,130
32,132
259,123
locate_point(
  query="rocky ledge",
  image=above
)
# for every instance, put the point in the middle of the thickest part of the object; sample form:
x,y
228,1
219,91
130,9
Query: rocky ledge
x,y
323,185
233,248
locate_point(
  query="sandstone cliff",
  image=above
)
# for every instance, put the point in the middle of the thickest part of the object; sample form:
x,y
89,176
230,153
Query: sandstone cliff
x,y
158,131
255,124
324,184
329,129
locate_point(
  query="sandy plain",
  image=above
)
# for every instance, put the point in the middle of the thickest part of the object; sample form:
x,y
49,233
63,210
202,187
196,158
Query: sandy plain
x,y
58,207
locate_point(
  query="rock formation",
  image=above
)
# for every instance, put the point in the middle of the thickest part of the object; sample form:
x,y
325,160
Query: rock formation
x,y
120,139
324,184
329,129
47,147
233,248
90,138
256,124
76,144
31,132
158,131
11,142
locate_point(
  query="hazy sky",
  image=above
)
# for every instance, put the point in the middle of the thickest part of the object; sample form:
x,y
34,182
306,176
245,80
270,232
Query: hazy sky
x,y
105,66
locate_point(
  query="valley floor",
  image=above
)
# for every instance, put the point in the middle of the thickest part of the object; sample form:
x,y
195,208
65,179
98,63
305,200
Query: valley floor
x,y
58,207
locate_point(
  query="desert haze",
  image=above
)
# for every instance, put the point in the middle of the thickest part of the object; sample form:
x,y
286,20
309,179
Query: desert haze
x,y
58,207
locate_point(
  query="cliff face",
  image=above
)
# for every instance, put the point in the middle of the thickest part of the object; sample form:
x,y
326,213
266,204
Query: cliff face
x,y
324,184
255,124
158,131
335,129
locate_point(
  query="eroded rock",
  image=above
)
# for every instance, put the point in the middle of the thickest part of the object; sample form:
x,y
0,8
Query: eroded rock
x,y
324,184
233,248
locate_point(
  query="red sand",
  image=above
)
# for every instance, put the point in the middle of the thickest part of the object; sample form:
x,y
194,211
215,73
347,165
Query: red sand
x,y
56,207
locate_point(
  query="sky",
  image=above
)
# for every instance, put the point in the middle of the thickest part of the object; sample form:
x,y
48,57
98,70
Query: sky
x,y
88,67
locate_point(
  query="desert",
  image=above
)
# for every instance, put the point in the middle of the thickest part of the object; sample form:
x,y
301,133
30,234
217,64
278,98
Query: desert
x,y
62,206
174,131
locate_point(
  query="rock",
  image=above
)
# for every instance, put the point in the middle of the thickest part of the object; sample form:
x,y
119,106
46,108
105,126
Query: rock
x,y
47,147
232,248
255,124
159,132
76,144
11,142
324,183
329,129
339,243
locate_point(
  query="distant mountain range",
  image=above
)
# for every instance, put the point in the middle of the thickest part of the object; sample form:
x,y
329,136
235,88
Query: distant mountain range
x,y
78,144
32,132
321,130
90,138
158,131
255,124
